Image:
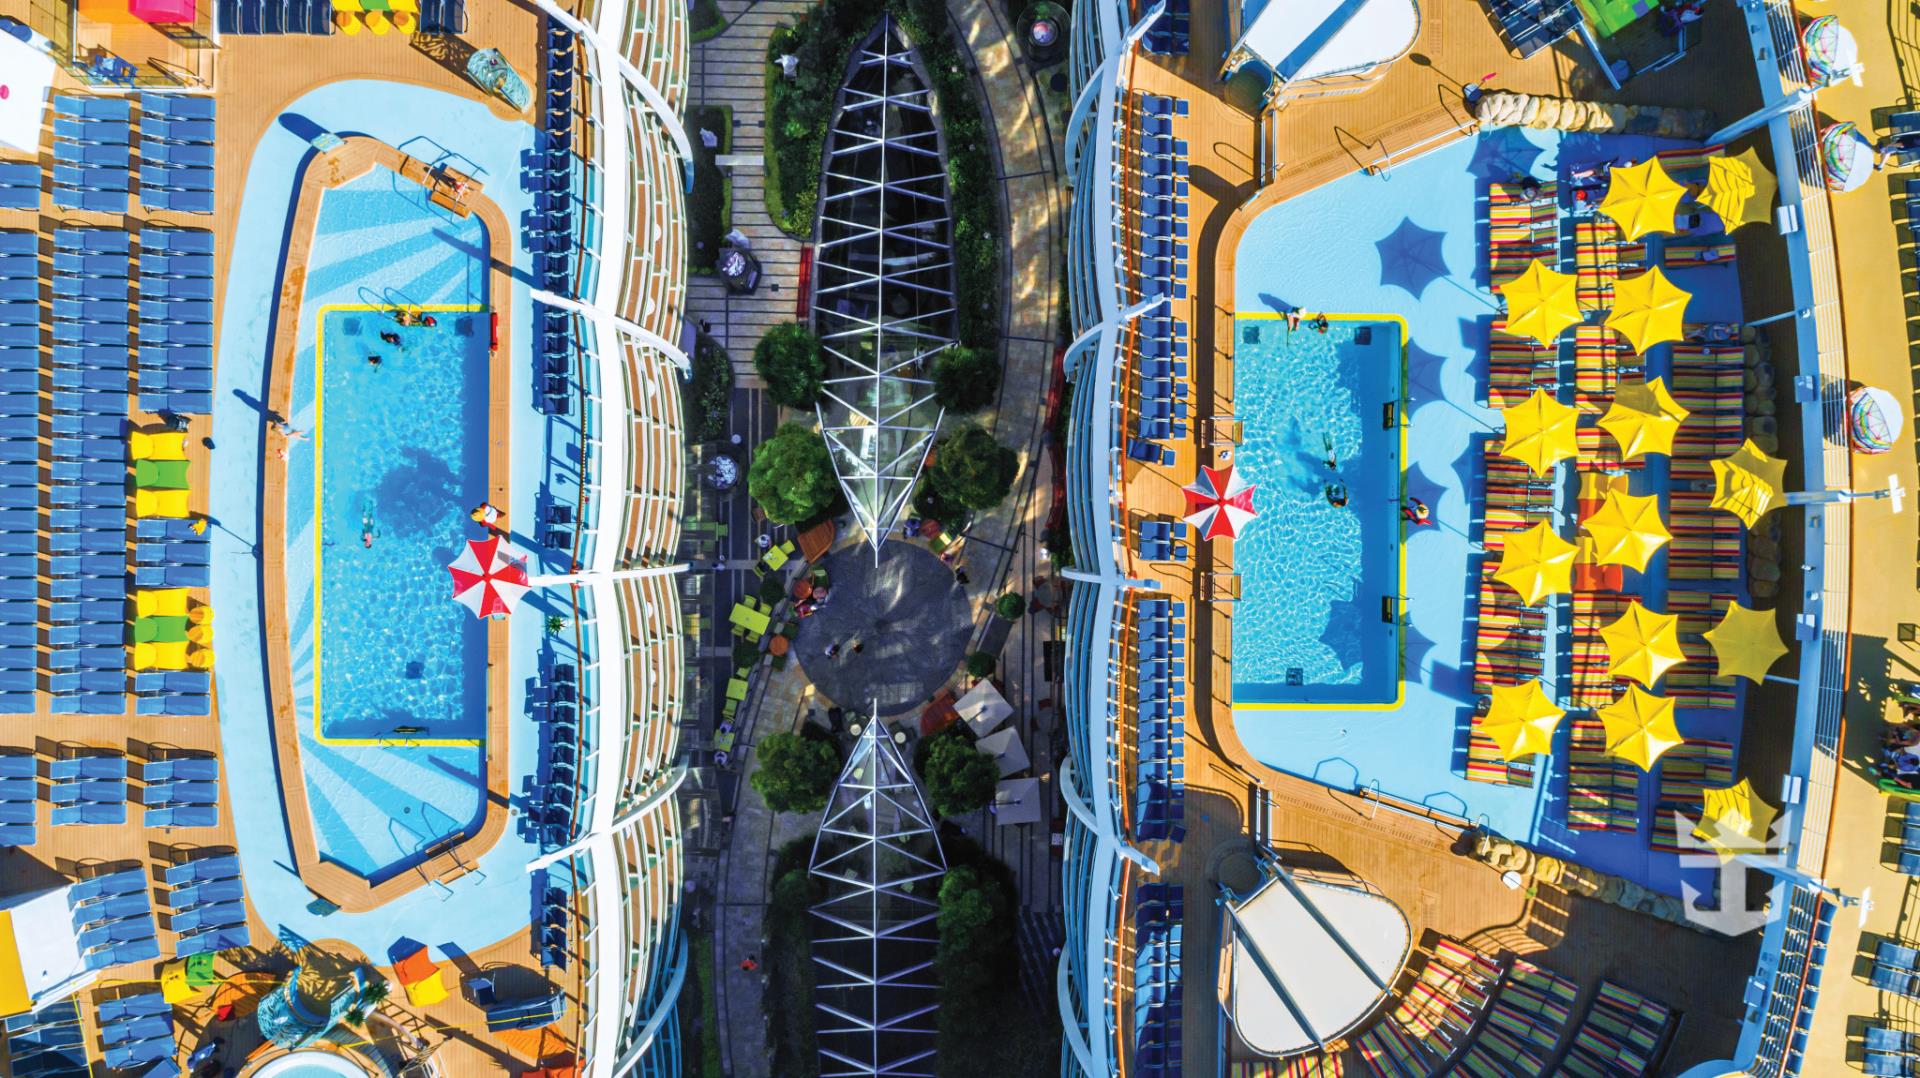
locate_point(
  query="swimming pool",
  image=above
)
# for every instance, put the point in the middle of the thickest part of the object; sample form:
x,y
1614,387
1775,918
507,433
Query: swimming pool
x,y
401,450
389,674
1321,415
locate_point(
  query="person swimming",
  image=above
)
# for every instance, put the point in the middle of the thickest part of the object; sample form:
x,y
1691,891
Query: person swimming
x,y
1293,320
1320,323
373,360
1336,494
390,337
366,526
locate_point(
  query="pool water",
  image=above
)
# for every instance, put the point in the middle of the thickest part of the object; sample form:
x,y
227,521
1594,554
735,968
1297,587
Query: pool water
x,y
389,673
403,457
1322,581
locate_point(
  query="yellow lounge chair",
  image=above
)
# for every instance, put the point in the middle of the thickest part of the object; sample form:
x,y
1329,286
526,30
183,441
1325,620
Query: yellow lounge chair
x,y
166,445
160,503
160,603
160,656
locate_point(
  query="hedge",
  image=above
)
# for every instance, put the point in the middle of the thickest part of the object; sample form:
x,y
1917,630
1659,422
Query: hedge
x,y
710,203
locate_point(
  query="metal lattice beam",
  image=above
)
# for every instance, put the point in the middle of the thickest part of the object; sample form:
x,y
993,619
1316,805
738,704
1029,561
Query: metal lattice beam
x,y
883,301
877,858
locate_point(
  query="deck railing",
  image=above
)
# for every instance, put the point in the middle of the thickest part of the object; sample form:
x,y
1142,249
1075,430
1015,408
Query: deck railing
x,y
1796,971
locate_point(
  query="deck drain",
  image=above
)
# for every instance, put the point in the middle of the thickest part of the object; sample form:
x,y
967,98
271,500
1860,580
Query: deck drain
x,y
1296,676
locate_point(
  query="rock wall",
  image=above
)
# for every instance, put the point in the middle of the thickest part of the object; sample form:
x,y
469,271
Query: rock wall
x,y
1501,109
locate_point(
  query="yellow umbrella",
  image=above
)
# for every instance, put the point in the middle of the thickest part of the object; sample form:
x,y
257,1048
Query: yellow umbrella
x,y
1642,198
1627,530
1541,302
1520,720
1735,820
1747,483
1747,643
1739,189
1648,309
1640,727
1540,432
1643,645
1643,418
1536,563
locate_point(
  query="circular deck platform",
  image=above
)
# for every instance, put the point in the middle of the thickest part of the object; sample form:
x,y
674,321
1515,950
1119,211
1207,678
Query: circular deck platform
x,y
906,613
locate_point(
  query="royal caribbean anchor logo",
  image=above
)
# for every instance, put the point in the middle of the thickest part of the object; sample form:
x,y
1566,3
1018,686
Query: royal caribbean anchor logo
x,y
1730,843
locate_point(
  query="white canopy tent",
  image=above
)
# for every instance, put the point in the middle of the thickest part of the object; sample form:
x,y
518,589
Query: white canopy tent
x,y
1309,960
39,954
1016,801
26,77
983,708
1007,751
1321,39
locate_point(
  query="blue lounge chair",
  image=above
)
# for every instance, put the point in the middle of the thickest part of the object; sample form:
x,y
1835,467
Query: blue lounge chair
x,y
20,787
19,834
18,812
179,792
17,765
90,813
77,767
231,890
123,882
202,869
184,816
179,241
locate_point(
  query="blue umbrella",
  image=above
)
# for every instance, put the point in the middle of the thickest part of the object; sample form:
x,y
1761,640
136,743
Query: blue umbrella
x,y
1411,257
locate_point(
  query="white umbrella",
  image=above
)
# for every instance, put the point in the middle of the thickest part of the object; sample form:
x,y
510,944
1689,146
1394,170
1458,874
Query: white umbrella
x,y
983,708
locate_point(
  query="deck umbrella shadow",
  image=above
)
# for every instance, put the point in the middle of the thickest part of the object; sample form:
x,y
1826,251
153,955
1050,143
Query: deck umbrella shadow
x,y
1411,257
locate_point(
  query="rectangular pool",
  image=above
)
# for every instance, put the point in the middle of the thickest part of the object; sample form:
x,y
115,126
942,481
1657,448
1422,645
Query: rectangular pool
x,y
401,456
1320,569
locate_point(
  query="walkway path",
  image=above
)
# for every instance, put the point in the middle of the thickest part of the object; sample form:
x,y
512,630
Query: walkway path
x,y
730,70
1003,549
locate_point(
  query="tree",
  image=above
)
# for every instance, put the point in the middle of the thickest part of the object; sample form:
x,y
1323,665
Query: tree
x,y
1010,606
791,476
959,778
981,664
973,934
795,773
965,379
790,360
973,469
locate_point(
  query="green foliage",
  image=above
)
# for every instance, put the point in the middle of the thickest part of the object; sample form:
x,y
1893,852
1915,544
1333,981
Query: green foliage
x,y
745,653
1011,606
789,964
791,477
800,109
959,778
710,203
773,588
981,664
790,359
700,1008
709,392
972,469
706,20
979,985
1058,539
966,379
556,624
795,773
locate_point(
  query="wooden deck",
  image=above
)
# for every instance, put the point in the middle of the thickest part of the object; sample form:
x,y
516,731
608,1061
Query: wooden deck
x,y
1415,106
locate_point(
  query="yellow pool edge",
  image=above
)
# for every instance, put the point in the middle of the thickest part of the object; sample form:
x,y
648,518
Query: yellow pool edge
x,y
1400,420
319,534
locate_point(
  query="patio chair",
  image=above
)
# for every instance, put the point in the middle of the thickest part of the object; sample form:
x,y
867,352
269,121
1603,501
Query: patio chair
x,y
1888,1065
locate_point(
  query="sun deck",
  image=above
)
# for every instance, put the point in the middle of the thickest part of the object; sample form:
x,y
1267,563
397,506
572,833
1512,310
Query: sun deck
x,y
1242,163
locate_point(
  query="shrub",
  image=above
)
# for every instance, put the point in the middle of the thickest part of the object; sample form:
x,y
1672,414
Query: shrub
x,y
972,469
706,21
965,379
710,202
1011,606
709,392
959,778
790,360
745,653
795,773
929,504
1058,539
981,664
791,477
773,588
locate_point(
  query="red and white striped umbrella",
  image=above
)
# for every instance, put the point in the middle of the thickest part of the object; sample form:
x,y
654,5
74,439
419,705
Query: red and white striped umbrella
x,y
1219,503
487,578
